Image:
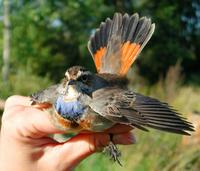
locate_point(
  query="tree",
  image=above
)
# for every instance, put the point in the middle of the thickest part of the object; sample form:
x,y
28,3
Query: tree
x,y
49,36
176,38
6,42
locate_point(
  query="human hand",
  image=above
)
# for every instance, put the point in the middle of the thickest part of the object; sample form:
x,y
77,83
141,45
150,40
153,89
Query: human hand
x,y
25,145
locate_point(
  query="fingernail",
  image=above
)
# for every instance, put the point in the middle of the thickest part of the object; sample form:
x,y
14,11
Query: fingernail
x,y
132,138
125,139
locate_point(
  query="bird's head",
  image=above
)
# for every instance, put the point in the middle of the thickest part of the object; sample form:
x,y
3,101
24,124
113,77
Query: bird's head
x,y
80,80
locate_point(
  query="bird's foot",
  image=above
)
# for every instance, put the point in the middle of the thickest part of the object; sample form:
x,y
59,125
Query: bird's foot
x,y
113,151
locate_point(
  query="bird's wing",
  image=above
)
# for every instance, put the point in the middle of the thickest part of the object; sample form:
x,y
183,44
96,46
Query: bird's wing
x,y
47,96
126,107
117,42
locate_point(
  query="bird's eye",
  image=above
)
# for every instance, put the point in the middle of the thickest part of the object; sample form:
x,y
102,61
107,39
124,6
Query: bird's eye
x,y
84,78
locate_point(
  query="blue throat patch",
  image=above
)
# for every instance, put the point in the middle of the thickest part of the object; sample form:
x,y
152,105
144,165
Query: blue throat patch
x,y
69,110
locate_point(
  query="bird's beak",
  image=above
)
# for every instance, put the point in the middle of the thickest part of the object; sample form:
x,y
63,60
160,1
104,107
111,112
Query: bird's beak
x,y
71,82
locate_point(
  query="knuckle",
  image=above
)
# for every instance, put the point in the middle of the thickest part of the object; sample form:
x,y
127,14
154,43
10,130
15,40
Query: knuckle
x,y
92,143
10,100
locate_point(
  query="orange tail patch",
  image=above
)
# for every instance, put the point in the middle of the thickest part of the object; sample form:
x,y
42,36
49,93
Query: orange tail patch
x,y
117,43
98,57
129,53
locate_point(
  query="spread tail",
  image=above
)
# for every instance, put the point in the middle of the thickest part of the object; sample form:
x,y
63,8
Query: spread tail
x,y
117,43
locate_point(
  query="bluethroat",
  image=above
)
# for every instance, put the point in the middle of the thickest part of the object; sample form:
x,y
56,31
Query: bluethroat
x,y
97,101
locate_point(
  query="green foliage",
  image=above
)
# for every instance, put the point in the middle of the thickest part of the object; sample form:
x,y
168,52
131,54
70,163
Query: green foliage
x,y
176,38
154,151
23,82
53,35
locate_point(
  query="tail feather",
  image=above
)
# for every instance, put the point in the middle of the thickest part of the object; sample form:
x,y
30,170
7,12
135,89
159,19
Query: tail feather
x,y
142,30
131,25
117,43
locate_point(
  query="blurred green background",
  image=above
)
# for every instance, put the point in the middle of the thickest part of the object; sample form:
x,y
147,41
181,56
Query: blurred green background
x,y
45,37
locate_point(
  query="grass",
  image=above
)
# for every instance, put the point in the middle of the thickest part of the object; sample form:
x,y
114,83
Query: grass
x,y
154,151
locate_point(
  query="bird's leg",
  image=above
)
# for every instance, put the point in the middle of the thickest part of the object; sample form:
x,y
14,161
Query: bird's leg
x,y
113,151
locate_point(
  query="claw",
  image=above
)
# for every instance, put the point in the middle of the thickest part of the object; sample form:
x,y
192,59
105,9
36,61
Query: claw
x,y
113,151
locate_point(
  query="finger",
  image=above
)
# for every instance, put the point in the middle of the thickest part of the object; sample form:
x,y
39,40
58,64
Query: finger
x,y
79,147
124,138
38,123
83,145
119,128
30,121
116,129
17,100
14,101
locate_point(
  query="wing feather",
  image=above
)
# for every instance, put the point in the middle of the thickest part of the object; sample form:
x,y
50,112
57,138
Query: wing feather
x,y
140,111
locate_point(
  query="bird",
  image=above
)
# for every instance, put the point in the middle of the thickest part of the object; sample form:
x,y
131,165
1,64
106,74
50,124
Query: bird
x,y
95,102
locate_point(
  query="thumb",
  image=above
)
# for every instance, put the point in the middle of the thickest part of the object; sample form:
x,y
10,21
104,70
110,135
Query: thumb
x,y
26,121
